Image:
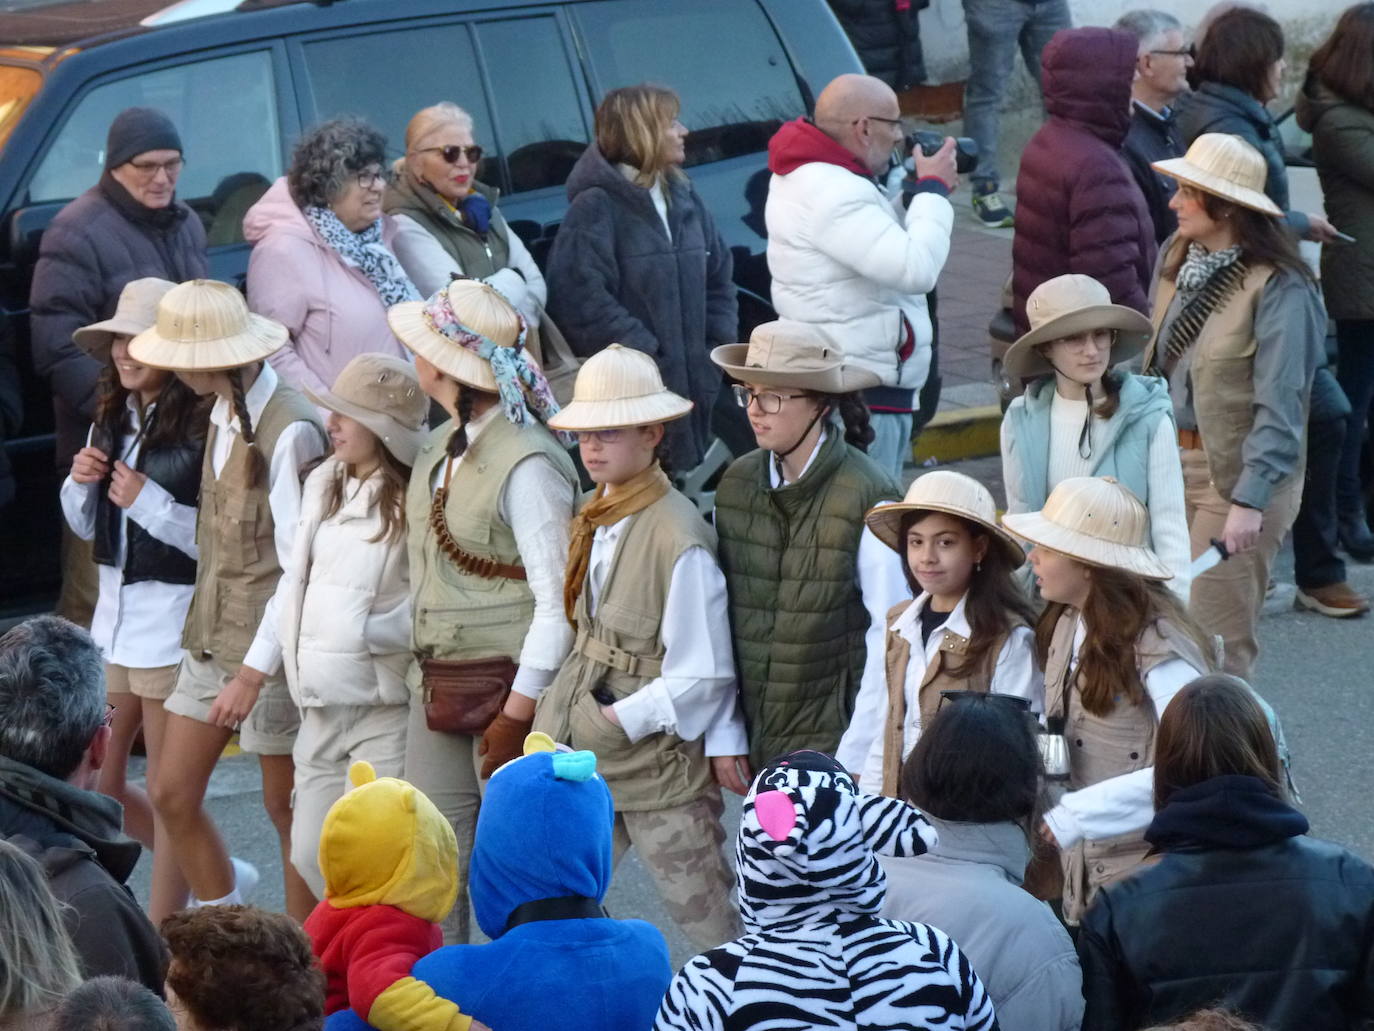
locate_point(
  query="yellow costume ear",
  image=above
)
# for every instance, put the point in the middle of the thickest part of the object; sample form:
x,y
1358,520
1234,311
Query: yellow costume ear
x,y
360,773
537,742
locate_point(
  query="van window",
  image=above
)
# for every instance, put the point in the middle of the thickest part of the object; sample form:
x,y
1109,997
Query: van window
x,y
721,56
539,119
232,150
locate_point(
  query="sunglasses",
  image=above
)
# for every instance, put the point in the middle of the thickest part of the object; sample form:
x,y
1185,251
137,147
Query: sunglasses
x,y
453,153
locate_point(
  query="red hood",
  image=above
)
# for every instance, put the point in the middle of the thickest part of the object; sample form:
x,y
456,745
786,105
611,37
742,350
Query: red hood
x,y
799,143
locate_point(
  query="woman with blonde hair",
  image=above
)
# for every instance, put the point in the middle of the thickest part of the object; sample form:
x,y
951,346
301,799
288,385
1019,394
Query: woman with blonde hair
x,y
38,965
447,221
639,261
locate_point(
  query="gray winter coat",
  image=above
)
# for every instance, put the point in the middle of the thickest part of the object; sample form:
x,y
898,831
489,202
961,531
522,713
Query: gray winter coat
x,y
615,276
969,886
97,244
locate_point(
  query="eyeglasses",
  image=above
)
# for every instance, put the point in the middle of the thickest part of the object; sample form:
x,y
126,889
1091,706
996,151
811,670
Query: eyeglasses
x,y
371,178
1090,341
769,403
880,118
600,436
1188,51
150,169
108,719
451,154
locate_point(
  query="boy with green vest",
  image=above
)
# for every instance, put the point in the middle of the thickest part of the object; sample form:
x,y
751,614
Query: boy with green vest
x,y
650,684
810,587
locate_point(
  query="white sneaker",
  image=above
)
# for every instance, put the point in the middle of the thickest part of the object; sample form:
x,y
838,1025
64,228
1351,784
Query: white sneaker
x,y
246,878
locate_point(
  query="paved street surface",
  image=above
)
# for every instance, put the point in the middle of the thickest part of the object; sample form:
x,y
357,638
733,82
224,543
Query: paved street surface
x,y
1315,671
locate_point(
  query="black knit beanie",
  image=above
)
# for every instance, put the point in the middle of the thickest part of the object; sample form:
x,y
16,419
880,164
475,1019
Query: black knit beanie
x,y
137,130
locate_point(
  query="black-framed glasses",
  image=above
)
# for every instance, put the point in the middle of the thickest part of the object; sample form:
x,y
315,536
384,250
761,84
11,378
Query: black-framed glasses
x,y
880,118
1188,51
371,178
150,169
600,436
769,402
452,153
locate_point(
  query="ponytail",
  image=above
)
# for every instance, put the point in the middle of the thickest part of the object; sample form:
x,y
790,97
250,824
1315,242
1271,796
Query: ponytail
x,y
858,431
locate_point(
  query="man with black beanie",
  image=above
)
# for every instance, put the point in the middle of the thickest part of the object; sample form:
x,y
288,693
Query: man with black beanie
x,y
128,226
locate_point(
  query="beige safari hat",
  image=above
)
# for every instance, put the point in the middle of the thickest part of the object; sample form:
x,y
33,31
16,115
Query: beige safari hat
x,y
383,393
135,312
1066,306
943,490
447,330
619,387
1226,167
204,325
786,353
1095,520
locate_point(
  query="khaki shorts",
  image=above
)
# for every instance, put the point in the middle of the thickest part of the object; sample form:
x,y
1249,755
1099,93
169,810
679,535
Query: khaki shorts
x,y
155,683
270,728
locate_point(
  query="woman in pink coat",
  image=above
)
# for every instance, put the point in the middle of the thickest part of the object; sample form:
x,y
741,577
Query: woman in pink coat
x,y
322,263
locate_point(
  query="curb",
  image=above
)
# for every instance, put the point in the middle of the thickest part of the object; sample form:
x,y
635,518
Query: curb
x,y
960,433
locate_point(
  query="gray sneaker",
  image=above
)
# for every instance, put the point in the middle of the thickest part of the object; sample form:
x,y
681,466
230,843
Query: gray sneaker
x,y
991,211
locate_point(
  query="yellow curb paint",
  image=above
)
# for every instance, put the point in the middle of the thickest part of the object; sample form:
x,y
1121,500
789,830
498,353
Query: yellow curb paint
x,y
960,433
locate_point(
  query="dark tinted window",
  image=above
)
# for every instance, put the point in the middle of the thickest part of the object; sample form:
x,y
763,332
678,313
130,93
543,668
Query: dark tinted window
x,y
721,56
539,115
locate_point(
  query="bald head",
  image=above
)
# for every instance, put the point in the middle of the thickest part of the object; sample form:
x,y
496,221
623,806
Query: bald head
x,y
861,114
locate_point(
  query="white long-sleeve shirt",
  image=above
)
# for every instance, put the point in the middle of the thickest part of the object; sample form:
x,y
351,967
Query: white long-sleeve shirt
x,y
537,504
1014,673
881,584
695,694
136,625
1123,804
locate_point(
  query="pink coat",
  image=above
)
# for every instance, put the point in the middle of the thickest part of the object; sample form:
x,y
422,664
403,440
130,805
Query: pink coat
x,y
331,309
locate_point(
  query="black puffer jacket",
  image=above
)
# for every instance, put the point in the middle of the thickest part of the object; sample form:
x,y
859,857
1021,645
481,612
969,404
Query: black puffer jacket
x,y
95,246
1244,912
887,37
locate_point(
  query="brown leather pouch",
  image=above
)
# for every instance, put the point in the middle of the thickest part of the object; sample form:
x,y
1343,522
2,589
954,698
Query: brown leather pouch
x,y
463,697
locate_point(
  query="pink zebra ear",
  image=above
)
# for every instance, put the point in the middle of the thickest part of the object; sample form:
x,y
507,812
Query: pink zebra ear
x,y
776,814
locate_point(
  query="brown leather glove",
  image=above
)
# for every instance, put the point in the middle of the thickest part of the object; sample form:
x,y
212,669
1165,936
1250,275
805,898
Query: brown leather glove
x,y
502,741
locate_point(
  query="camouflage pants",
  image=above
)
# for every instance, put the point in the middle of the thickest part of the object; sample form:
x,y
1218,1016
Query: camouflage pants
x,y
681,847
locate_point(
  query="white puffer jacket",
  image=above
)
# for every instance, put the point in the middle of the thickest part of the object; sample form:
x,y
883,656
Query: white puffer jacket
x,y
843,257
345,601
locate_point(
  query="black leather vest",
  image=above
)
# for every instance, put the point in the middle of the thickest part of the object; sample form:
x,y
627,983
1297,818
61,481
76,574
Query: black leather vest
x,y
176,468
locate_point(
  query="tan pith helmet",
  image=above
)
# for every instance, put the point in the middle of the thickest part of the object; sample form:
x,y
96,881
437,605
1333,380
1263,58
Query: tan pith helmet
x,y
204,325
616,387
1227,167
943,490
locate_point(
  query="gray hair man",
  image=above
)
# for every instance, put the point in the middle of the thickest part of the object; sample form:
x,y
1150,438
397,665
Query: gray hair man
x,y
1161,77
53,740
112,1004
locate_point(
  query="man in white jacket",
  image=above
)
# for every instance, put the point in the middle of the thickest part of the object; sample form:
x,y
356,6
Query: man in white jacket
x,y
845,257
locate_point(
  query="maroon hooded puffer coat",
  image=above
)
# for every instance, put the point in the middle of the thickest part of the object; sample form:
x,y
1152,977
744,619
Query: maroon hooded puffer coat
x,y
1078,209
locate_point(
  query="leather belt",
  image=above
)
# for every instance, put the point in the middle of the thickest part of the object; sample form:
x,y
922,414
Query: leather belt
x,y
617,658
1190,440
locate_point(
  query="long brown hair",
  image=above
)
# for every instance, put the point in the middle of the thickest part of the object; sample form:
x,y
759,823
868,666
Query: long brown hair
x,y
630,123
994,603
1118,608
181,415
1238,49
395,475
1344,64
1263,239
1212,728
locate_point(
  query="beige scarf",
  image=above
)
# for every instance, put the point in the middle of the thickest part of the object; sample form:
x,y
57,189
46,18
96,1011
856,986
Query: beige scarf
x,y
634,495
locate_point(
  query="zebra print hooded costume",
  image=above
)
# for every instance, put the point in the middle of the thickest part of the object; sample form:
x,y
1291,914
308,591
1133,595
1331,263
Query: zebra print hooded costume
x,y
815,955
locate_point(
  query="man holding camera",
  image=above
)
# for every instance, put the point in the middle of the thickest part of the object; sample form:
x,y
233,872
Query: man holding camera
x,y
846,258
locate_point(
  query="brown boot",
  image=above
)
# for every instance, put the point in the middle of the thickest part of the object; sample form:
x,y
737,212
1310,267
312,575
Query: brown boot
x,y
1335,600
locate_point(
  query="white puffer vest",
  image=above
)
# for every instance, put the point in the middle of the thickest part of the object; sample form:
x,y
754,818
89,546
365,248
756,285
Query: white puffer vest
x,y
345,601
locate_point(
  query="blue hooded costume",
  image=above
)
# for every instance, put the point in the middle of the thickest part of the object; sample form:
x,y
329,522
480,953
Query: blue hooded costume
x,y
541,864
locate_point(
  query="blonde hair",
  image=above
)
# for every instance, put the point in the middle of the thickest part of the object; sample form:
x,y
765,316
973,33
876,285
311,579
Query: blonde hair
x,y
482,309
630,123
38,964
429,120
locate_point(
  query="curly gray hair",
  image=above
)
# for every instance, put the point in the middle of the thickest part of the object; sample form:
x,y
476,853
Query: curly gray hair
x,y
327,155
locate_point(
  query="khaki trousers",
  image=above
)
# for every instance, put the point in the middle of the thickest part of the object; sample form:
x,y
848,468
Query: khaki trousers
x,y
446,767
681,847
1228,598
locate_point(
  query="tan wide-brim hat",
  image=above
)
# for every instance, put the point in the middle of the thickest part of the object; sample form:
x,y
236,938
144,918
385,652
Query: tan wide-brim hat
x,y
1226,167
383,393
943,490
1066,306
445,330
785,353
135,312
619,387
1095,520
205,326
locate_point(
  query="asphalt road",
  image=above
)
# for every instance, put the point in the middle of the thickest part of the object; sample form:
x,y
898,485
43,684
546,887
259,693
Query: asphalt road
x,y
1318,673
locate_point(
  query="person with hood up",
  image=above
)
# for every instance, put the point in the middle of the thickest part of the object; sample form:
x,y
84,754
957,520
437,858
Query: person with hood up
x,y
638,259
541,865
1078,207
846,260
815,953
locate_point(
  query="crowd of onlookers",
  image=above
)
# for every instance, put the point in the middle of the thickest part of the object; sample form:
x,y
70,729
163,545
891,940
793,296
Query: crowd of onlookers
x,y
998,769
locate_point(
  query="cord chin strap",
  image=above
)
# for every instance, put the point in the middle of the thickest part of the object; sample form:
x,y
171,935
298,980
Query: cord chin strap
x,y
1085,435
778,456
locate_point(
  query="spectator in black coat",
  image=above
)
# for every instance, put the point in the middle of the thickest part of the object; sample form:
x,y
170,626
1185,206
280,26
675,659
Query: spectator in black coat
x,y
1161,77
639,261
887,37
128,226
1243,910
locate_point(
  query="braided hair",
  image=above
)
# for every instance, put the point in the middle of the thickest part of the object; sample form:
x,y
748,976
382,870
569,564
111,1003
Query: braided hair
x,y
858,430
458,442
240,402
